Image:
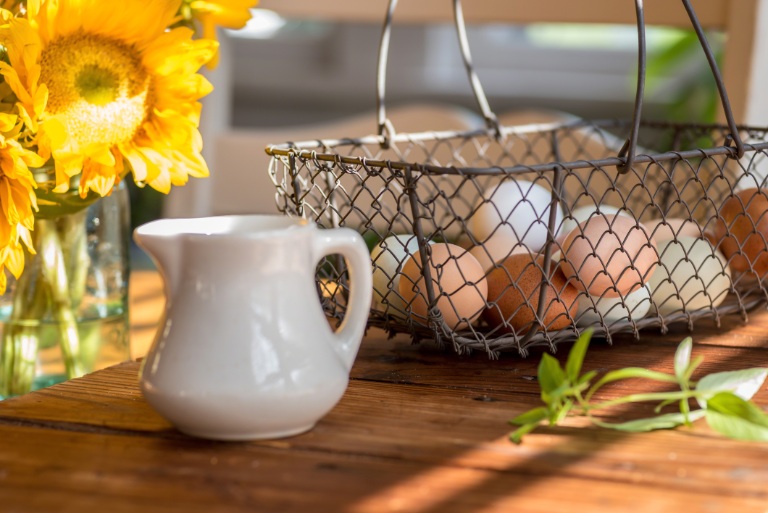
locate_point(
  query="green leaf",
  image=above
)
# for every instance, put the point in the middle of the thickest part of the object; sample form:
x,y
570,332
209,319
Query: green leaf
x,y
666,421
744,383
561,413
576,356
736,428
583,382
516,436
692,368
683,358
531,416
551,375
732,416
631,372
731,404
586,378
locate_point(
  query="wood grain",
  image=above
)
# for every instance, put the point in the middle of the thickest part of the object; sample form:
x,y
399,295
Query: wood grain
x,y
419,429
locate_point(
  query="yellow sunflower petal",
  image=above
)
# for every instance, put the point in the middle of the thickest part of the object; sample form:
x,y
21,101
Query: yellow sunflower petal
x,y
133,21
25,235
232,14
136,161
12,78
14,261
99,178
176,52
16,203
101,83
7,122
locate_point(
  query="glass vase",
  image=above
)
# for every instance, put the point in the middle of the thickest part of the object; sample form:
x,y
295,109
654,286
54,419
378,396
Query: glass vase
x,y
67,314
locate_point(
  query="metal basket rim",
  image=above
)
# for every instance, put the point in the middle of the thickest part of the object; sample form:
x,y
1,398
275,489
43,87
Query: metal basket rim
x,y
308,150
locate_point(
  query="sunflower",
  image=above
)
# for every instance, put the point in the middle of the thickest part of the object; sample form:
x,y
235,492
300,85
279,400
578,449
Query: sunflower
x,y
17,201
232,14
107,83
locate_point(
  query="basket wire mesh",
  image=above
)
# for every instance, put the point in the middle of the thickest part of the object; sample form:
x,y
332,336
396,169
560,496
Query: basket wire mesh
x,y
564,255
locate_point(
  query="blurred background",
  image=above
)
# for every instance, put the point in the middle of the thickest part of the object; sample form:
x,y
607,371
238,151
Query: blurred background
x,y
284,75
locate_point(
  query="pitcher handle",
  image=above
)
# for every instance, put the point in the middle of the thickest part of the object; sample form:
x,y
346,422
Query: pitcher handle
x,y
349,244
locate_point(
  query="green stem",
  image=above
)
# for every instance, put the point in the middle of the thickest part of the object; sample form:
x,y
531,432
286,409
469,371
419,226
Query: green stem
x,y
648,397
20,341
52,284
74,248
54,273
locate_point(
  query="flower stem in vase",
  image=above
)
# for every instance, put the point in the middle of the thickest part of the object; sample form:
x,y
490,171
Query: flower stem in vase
x,y
49,291
53,272
20,342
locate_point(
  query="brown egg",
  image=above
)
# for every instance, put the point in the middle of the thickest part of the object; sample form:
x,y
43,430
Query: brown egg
x,y
609,256
458,282
741,231
513,295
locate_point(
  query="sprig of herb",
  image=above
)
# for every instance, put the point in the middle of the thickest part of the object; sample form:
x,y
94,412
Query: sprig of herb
x,y
723,397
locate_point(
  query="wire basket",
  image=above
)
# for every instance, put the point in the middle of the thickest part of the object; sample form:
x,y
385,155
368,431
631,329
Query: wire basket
x,y
510,237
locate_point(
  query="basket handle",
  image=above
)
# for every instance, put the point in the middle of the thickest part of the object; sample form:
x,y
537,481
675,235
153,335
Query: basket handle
x,y
386,129
491,121
628,151
734,136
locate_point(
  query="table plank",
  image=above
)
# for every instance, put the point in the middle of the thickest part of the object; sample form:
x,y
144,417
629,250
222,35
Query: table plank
x,y
419,429
403,423
117,473
397,361
113,398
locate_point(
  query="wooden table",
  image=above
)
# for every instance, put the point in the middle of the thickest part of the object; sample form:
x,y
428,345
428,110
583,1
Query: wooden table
x,y
419,430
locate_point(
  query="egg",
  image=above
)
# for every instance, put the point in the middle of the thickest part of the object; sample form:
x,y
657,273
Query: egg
x,y
458,283
691,274
674,227
387,259
494,250
514,211
609,256
581,214
741,231
632,307
513,295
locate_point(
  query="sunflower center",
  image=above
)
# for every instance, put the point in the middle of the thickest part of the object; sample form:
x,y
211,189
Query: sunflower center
x,y
97,87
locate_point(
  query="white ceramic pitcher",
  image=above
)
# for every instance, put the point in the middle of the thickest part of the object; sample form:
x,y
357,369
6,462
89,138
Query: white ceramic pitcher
x,y
244,350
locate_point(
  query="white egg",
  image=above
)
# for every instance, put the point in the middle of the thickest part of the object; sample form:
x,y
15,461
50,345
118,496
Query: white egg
x,y
691,274
633,306
581,214
517,211
388,258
